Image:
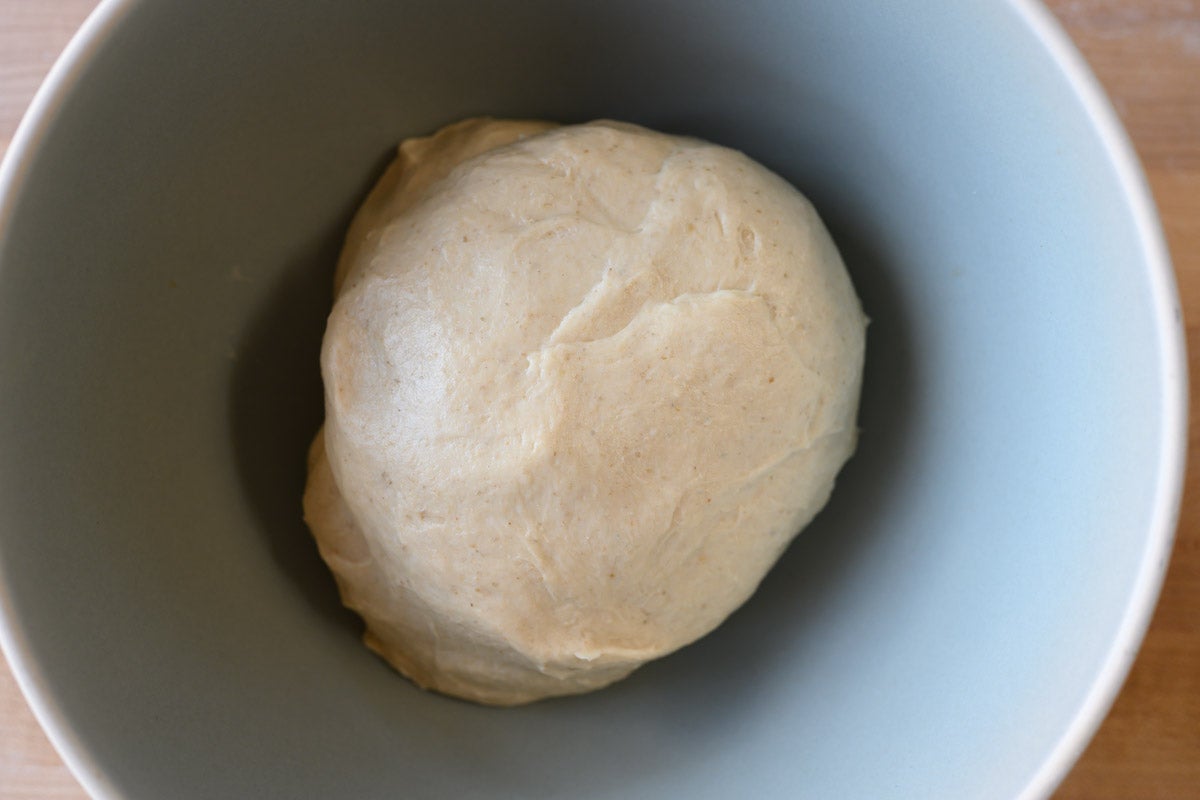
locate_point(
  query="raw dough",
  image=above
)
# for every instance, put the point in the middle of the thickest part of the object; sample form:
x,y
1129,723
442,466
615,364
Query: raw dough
x,y
583,385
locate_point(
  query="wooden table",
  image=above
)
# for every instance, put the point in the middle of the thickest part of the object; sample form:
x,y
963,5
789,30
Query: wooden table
x,y
1147,55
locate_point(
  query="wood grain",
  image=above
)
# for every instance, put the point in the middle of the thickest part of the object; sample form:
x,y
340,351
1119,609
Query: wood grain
x,y
1147,55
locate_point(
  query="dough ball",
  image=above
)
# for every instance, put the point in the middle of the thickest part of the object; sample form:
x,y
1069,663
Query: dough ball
x,y
583,385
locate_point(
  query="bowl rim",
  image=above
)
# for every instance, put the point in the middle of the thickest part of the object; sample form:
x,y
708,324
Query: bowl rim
x,y
14,169
108,15
1172,464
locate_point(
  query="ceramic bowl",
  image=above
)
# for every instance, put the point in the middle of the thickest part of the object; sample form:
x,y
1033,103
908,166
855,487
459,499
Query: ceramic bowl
x,y
953,625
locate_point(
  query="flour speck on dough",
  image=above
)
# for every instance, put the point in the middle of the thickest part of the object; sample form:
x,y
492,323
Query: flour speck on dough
x,y
583,385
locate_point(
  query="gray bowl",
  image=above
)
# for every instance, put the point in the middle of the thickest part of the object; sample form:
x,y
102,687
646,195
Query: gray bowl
x,y
953,625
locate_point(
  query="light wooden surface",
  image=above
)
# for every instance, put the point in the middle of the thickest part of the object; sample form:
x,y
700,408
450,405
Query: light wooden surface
x,y
1147,55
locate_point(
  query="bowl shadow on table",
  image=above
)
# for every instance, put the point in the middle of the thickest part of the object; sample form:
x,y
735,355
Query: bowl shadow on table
x,y
276,407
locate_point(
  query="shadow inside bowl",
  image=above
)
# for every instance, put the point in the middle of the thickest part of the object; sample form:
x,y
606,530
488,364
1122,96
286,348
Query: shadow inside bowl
x,y
276,405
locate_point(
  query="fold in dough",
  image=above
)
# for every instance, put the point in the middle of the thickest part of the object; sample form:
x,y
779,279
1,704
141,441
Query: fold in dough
x,y
583,385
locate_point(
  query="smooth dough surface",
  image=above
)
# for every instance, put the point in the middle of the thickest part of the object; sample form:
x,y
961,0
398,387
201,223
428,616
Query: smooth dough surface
x,y
583,385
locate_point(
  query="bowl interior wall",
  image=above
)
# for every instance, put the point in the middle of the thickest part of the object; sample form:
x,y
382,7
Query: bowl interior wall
x,y
162,298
